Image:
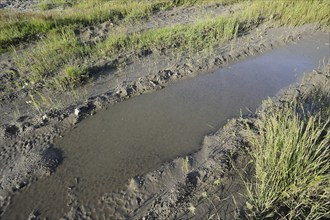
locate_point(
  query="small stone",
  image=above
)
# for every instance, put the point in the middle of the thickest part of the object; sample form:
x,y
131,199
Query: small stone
x,y
21,185
44,117
76,112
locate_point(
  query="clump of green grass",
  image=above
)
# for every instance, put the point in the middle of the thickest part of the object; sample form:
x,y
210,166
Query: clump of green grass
x,y
13,31
290,12
44,61
290,152
70,76
184,37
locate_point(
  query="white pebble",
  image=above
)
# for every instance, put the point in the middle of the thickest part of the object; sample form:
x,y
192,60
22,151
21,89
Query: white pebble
x,y
76,112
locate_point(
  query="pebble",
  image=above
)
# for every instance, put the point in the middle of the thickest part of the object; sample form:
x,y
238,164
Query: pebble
x,y
76,112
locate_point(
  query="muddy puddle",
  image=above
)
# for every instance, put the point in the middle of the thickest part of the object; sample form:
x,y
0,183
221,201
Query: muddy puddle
x,y
138,135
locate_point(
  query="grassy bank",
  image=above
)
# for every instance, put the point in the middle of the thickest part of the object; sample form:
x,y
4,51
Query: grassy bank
x,y
62,48
290,150
52,61
18,26
291,12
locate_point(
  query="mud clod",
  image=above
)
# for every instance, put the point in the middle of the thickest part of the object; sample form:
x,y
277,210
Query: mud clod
x,y
9,131
52,158
193,178
84,110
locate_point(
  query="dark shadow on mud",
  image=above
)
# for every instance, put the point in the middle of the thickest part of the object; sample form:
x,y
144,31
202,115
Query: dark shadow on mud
x,y
52,158
111,66
108,68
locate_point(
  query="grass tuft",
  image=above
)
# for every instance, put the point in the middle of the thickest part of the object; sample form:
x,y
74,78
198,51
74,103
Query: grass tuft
x,y
56,50
290,12
290,152
70,77
19,26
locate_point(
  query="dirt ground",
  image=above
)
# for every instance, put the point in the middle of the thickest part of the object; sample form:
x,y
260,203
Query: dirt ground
x,y
19,5
201,184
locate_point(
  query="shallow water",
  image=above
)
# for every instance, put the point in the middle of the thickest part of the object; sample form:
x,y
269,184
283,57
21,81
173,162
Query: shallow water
x,y
138,135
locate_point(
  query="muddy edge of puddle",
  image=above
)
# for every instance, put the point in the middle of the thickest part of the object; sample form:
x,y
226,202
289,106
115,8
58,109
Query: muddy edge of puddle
x,y
27,151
